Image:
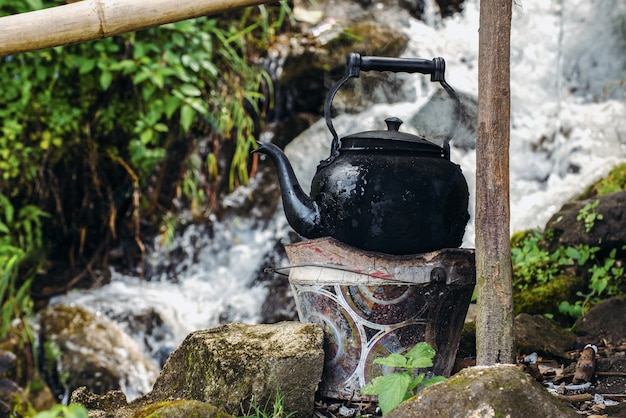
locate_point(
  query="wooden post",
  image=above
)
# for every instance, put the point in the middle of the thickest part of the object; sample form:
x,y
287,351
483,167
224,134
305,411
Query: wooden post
x,y
494,323
89,20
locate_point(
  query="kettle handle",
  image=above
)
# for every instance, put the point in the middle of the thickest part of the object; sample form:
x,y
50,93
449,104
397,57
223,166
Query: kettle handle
x,y
355,63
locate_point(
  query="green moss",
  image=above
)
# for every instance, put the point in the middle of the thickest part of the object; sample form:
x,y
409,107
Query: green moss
x,y
367,38
180,409
615,181
518,238
545,298
147,411
345,38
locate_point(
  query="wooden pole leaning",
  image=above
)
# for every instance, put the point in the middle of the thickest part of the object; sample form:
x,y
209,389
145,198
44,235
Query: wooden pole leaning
x,y
89,20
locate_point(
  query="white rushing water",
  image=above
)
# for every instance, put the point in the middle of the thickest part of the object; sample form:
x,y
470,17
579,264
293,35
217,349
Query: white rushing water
x,y
568,128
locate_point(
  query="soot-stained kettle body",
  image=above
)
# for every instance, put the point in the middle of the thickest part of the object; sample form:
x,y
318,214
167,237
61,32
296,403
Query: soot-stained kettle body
x,y
385,191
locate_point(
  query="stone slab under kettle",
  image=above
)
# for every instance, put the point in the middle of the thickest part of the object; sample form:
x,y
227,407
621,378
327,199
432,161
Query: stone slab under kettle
x,y
382,190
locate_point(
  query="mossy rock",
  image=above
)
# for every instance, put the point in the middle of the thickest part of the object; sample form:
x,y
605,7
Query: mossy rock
x,y
545,298
180,409
86,349
615,181
369,38
114,405
518,237
496,391
237,366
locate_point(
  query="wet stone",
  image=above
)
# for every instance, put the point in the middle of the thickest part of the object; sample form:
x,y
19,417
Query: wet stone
x,y
604,322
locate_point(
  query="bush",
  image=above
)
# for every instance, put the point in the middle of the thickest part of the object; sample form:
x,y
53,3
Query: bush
x,y
105,134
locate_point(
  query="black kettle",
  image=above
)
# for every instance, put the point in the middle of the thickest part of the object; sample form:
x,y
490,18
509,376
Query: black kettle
x,y
383,190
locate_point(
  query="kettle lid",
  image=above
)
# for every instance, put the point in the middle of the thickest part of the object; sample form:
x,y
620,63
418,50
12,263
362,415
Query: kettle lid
x,y
390,140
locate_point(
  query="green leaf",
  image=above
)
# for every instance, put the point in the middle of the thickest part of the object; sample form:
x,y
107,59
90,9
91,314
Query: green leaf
x,y
172,103
178,39
416,381
41,73
142,76
572,253
146,136
105,79
86,65
391,390
22,295
147,90
210,67
433,380
35,4
420,355
76,411
186,117
47,414
601,285
157,79
198,105
8,212
161,127
392,360
190,90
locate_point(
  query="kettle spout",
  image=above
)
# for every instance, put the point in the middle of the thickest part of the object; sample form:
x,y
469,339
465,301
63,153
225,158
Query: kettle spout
x,y
302,212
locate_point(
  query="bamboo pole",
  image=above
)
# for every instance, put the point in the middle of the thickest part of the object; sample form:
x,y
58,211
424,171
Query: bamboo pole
x,y
494,320
89,20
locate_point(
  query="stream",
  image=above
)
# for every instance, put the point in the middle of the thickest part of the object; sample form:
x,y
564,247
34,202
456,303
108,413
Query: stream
x,y
568,128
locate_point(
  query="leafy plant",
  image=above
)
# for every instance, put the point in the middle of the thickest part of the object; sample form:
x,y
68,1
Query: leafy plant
x,y
614,181
575,310
82,124
20,240
62,411
606,280
588,215
402,384
534,265
131,126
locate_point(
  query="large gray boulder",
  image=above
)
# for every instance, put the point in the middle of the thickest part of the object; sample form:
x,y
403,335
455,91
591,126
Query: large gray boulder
x,y
238,366
495,391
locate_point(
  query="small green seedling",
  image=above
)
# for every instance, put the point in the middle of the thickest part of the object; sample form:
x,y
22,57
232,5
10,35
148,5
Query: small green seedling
x,y
401,385
589,215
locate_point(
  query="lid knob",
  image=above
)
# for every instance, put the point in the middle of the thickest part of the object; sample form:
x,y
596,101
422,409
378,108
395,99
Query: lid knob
x,y
393,123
